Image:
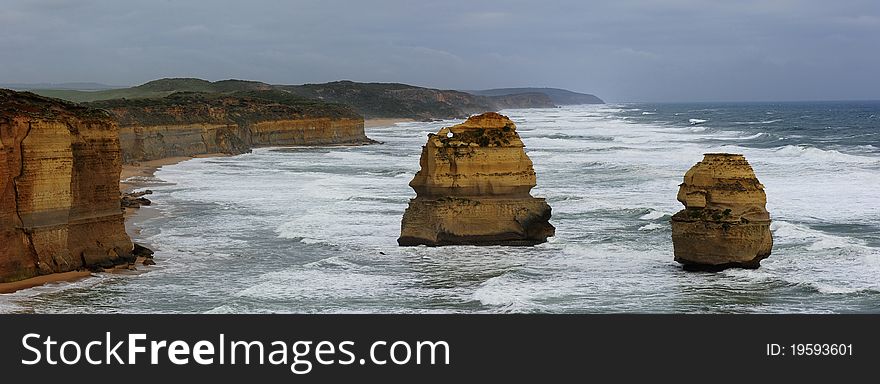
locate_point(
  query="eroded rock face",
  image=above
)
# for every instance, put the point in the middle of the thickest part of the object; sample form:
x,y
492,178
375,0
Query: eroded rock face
x,y
190,123
725,222
59,188
473,188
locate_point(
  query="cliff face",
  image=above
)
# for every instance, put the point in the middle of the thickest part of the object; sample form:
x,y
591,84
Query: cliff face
x,y
556,95
188,124
59,188
522,100
473,188
381,100
725,222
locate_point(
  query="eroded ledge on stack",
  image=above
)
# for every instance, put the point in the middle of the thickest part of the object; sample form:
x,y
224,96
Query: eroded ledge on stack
x,y
725,222
473,188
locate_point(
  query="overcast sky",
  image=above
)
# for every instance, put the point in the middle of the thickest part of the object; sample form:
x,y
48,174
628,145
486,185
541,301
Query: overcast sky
x,y
682,50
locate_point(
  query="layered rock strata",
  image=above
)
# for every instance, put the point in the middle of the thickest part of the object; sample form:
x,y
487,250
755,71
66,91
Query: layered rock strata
x,y
59,188
725,222
192,123
473,188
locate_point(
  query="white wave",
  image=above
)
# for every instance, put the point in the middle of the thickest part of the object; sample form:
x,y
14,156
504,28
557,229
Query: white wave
x,y
837,289
504,291
757,122
750,137
697,121
817,154
813,240
653,215
652,227
649,113
319,283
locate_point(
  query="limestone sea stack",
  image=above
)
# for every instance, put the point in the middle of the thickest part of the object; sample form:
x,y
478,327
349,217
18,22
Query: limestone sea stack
x,y
59,188
473,188
725,222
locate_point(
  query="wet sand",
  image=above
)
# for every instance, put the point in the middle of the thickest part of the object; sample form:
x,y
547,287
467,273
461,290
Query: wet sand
x,y
42,280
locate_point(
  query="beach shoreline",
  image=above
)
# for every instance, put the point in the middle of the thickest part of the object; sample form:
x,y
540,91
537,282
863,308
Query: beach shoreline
x,y
135,177
37,281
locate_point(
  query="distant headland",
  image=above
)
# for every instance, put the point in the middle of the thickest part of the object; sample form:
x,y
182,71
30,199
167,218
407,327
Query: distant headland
x,y
371,100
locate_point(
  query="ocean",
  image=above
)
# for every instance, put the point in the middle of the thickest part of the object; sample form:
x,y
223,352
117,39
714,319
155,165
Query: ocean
x,y
313,230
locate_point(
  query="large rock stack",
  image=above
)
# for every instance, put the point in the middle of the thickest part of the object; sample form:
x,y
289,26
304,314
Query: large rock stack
x,y
725,222
473,188
59,188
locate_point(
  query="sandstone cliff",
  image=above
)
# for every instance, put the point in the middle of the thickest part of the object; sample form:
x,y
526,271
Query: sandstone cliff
x,y
725,222
392,100
59,188
193,123
372,100
473,188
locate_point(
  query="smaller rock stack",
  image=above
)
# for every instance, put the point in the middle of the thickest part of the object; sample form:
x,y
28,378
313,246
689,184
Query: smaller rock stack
x,y
725,222
473,188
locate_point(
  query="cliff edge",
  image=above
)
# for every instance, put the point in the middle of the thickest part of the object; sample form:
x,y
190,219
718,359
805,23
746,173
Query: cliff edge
x,y
197,123
59,188
473,188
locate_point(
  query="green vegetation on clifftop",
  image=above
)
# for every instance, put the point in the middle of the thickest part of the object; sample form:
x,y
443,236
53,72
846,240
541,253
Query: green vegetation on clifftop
x,y
203,107
372,100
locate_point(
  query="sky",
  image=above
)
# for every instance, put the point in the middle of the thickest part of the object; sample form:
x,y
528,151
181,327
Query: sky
x,y
623,50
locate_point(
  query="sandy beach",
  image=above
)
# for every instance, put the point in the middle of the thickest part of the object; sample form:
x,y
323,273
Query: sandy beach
x,y
44,279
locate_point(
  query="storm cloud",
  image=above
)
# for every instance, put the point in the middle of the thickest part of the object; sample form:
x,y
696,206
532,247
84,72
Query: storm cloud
x,y
681,50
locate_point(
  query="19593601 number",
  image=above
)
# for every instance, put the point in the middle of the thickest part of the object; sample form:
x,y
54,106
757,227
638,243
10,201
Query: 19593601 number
x,y
822,349
810,349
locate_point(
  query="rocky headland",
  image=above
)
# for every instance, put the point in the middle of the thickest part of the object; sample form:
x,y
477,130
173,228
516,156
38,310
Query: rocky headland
x,y
393,100
725,222
186,124
473,188
59,188
371,100
556,95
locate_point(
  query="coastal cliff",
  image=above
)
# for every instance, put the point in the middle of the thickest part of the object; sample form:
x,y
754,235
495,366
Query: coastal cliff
x,y
725,222
195,123
371,100
473,188
393,100
556,95
59,188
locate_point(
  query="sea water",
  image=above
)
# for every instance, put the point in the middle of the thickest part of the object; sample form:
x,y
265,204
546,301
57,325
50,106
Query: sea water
x,y
314,229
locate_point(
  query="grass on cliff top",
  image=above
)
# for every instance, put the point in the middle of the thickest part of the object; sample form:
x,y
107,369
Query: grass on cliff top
x,y
15,102
368,99
241,107
372,100
155,89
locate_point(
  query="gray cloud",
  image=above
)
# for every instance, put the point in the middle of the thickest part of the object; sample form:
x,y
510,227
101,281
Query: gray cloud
x,y
620,50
